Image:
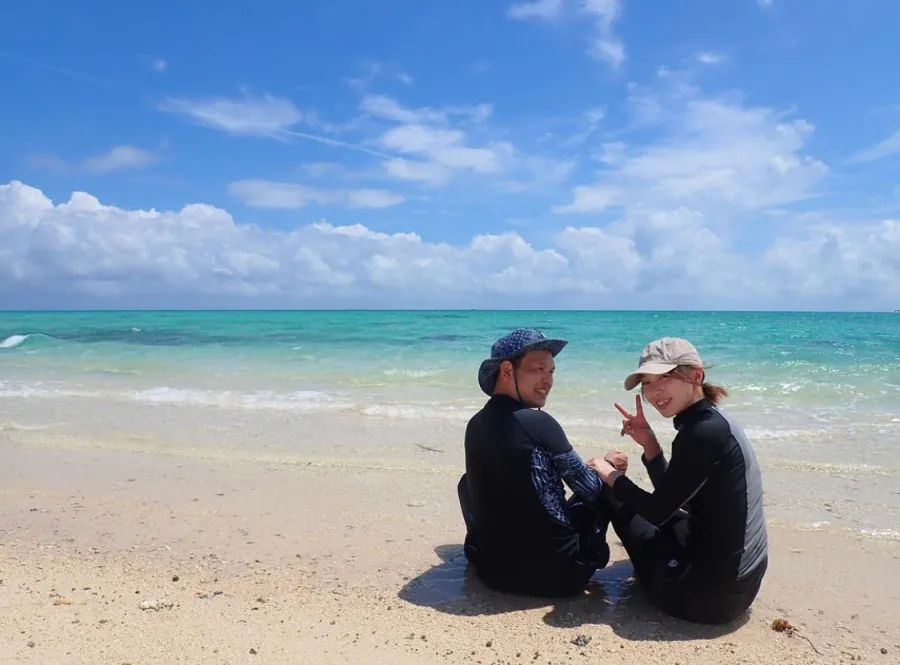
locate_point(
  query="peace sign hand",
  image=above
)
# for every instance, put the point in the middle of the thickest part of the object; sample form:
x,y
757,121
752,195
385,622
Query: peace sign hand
x,y
636,425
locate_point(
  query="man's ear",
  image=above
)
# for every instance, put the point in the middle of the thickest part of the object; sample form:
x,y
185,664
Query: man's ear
x,y
506,368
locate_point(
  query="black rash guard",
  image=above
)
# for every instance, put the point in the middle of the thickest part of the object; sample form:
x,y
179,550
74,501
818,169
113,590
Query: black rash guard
x,y
527,534
714,475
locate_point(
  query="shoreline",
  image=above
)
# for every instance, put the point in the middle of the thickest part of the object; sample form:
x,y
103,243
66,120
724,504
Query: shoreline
x,y
375,551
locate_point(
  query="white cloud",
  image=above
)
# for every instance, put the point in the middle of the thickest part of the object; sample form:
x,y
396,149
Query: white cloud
x,y
537,9
119,158
709,58
158,65
445,148
82,251
890,146
382,106
764,4
601,14
860,261
291,196
267,116
373,198
429,173
606,45
715,154
431,146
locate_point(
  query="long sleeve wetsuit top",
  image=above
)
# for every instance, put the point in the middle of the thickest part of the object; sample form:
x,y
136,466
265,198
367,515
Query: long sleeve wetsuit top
x,y
517,461
714,475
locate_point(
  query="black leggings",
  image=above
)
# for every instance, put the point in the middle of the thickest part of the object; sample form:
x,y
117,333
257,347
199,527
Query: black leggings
x,y
678,586
557,578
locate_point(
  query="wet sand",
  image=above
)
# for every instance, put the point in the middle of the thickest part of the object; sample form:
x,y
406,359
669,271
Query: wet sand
x,y
132,557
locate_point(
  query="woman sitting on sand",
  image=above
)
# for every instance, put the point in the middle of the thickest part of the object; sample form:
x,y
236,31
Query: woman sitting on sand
x,y
698,542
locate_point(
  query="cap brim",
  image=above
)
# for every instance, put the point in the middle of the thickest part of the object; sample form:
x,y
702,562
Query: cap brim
x,y
487,373
554,346
633,379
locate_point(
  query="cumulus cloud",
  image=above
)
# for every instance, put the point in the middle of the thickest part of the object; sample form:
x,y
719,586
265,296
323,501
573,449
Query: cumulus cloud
x,y
84,251
433,146
715,153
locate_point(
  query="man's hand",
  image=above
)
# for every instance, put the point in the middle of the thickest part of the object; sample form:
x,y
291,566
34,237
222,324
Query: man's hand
x,y
600,465
607,472
618,459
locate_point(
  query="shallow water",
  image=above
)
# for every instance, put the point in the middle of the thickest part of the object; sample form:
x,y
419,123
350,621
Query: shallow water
x,y
818,393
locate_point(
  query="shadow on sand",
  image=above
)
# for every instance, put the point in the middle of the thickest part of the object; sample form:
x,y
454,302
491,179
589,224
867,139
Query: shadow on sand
x,y
613,597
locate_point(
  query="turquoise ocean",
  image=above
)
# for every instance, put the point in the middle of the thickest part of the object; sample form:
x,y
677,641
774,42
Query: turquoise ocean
x,y
816,392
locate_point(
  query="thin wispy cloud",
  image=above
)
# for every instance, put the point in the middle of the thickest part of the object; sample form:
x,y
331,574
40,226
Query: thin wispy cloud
x,y
120,158
606,44
600,15
886,148
116,159
709,58
538,9
267,115
293,196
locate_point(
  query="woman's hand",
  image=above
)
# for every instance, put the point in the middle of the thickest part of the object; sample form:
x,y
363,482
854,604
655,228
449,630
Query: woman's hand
x,y
618,459
637,427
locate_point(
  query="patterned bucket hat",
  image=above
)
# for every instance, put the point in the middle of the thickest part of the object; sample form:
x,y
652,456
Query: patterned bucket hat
x,y
515,344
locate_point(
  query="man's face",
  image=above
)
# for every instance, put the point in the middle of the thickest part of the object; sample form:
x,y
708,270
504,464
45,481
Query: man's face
x,y
534,376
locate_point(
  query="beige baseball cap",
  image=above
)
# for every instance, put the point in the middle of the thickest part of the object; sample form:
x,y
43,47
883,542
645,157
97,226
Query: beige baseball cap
x,y
662,356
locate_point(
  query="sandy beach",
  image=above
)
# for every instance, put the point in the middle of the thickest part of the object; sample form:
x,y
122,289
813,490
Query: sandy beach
x,y
123,556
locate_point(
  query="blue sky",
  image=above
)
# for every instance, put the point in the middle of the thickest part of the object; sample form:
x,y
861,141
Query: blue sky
x,y
553,153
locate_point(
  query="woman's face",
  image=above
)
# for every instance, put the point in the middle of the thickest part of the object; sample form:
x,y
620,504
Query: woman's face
x,y
672,393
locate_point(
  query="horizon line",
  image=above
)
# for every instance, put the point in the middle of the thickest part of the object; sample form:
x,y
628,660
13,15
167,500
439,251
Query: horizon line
x,y
435,309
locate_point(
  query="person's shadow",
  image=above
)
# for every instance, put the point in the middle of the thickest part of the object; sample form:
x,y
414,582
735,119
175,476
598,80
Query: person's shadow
x,y
612,597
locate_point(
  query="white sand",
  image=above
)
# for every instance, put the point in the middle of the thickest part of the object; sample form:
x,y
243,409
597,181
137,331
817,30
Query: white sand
x,y
357,564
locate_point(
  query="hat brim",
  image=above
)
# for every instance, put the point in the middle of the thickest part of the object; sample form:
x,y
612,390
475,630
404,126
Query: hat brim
x,y
487,373
633,379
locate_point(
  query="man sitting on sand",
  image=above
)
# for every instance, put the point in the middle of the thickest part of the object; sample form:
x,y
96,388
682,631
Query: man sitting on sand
x,y
522,535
